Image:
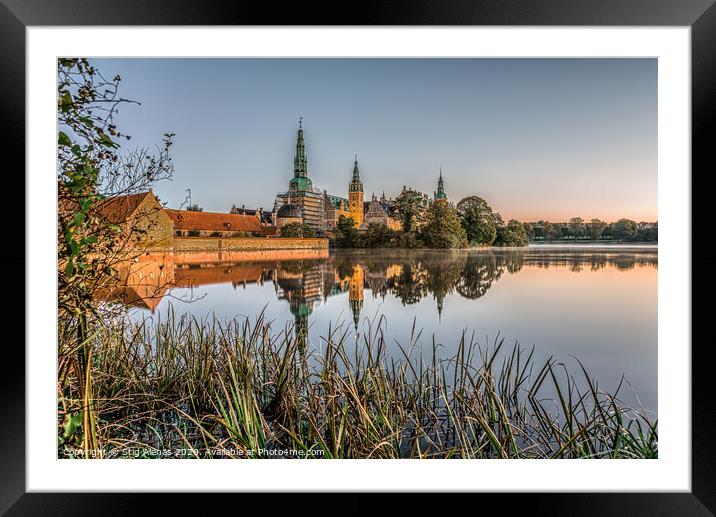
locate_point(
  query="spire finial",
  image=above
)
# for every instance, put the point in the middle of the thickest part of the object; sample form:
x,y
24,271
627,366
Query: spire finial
x,y
356,185
300,122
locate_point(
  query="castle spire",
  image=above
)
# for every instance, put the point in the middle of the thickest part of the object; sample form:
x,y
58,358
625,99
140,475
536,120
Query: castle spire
x,y
356,185
440,194
300,179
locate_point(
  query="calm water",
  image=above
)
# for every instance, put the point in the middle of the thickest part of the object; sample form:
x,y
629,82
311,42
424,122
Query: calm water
x,y
596,304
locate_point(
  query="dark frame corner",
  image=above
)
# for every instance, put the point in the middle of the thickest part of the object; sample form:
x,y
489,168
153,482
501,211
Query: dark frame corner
x,y
700,15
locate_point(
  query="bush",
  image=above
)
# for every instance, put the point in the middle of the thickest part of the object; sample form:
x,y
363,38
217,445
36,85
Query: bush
x,y
297,230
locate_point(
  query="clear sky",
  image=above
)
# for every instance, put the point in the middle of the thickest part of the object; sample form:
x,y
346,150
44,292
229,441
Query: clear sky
x,y
537,138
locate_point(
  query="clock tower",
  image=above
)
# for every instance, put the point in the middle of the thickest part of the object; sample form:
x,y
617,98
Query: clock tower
x,y
355,195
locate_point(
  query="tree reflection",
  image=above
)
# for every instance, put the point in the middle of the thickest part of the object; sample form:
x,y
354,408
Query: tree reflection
x,y
408,275
478,274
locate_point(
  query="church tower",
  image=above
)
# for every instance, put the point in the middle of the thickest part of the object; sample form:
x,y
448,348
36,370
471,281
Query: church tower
x,y
300,180
355,195
440,194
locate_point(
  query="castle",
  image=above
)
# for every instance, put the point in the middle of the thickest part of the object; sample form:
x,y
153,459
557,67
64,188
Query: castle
x,y
304,203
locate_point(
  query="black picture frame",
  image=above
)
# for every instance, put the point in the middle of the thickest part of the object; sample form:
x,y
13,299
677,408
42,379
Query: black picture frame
x,y
700,15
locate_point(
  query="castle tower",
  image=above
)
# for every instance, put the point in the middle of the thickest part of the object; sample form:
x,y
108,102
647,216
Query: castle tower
x,y
300,180
355,195
440,194
355,293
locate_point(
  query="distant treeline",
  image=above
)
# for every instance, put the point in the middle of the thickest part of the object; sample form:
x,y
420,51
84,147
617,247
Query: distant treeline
x,y
623,230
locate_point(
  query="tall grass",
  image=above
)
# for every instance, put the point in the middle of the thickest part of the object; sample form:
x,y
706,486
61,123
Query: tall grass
x,y
244,389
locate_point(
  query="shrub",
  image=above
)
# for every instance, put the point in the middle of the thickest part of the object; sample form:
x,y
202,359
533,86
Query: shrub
x,y
297,230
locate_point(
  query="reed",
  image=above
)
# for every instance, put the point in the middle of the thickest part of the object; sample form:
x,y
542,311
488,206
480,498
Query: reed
x,y
246,389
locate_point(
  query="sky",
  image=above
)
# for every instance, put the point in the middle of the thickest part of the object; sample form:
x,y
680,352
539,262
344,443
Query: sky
x,y
536,138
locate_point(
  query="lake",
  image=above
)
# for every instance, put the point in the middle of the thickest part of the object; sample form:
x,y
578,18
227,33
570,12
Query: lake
x,y
591,303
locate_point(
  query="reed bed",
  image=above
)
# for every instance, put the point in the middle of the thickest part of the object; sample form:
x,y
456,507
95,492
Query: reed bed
x,y
184,387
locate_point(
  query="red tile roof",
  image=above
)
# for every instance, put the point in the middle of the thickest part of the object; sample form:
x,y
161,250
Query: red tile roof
x,y
211,221
118,209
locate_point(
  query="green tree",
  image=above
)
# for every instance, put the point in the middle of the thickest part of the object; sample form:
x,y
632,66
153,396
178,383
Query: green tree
x,y
410,209
512,234
595,228
529,230
346,235
379,236
478,220
550,231
408,240
298,230
443,228
577,228
648,234
91,247
624,229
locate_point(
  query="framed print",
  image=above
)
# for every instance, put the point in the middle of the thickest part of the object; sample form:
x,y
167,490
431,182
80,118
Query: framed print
x,y
415,253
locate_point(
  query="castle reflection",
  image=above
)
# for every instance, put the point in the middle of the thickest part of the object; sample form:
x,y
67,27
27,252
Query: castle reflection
x,y
303,280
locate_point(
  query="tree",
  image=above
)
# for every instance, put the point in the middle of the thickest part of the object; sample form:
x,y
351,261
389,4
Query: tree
x,y
410,209
577,227
478,220
512,234
529,230
298,230
479,272
648,232
90,246
550,231
624,229
595,228
443,228
346,235
379,236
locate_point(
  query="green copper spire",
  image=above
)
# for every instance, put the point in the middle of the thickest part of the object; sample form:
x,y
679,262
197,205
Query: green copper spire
x,y
356,184
300,179
440,194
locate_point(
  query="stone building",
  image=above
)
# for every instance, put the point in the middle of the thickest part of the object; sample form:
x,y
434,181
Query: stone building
x,y
288,213
318,209
335,207
188,223
142,218
321,211
264,217
379,212
301,192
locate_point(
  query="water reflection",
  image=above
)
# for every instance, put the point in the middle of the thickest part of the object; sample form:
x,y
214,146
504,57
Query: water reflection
x,y
599,305
302,280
